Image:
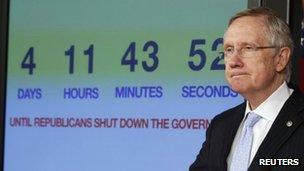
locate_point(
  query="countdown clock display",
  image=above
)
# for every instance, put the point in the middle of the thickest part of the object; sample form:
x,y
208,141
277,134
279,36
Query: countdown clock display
x,y
91,84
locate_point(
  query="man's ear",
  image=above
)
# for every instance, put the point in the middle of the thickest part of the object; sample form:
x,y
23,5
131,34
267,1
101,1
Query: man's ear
x,y
282,58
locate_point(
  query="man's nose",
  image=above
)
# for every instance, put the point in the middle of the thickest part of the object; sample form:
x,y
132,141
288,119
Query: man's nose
x,y
235,61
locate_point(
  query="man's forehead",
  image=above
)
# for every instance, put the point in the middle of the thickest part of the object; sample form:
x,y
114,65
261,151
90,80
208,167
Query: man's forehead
x,y
259,19
246,29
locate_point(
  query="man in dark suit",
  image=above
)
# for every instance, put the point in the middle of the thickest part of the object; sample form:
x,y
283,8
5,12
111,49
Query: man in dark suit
x,y
266,132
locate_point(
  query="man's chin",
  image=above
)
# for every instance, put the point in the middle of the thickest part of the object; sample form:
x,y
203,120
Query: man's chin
x,y
239,89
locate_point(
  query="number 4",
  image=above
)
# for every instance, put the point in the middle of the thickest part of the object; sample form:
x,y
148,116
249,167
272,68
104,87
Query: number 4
x,y
28,61
132,61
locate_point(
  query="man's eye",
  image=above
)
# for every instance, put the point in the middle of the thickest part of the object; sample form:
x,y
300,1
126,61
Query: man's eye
x,y
229,49
249,48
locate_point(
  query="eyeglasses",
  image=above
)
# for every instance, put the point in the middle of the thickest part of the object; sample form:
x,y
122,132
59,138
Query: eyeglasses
x,y
246,51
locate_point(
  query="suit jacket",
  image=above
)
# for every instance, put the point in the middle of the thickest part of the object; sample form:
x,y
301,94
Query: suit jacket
x,y
283,141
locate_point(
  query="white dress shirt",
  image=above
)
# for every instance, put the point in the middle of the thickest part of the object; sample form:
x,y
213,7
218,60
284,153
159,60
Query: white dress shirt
x,y
268,110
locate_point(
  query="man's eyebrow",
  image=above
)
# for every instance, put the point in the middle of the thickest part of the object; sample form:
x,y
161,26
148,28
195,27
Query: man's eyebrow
x,y
227,45
247,43
239,44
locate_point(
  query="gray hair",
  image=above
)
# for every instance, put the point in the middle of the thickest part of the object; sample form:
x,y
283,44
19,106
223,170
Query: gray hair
x,y
278,32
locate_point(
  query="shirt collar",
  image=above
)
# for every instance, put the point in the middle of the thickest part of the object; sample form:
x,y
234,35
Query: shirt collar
x,y
271,107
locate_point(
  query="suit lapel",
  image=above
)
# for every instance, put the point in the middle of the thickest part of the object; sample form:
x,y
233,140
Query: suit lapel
x,y
280,131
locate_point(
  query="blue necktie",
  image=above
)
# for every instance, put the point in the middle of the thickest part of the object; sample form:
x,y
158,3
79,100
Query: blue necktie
x,y
241,156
